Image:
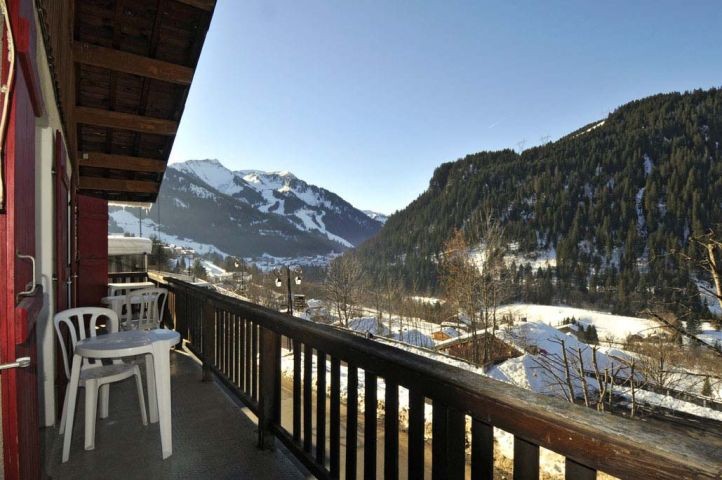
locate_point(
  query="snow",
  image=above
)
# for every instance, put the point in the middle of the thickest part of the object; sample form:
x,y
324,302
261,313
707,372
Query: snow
x,y
414,337
267,262
537,259
618,327
379,217
213,173
368,325
122,245
214,270
428,300
313,221
709,334
273,187
665,401
596,125
641,224
128,223
648,165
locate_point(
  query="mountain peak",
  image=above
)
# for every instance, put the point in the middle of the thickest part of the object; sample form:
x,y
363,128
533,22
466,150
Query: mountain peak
x,y
286,174
261,204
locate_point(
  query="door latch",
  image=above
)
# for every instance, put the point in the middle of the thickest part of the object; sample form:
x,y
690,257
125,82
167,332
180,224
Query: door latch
x,y
31,286
21,362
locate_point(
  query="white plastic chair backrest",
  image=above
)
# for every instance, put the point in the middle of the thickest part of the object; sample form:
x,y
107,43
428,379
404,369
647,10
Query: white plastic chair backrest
x,y
121,306
78,329
151,304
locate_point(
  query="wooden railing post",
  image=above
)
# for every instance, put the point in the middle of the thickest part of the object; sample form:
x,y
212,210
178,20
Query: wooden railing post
x,y
208,328
179,314
269,398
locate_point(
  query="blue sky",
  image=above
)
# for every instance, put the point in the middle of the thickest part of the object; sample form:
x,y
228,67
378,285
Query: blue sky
x,y
366,98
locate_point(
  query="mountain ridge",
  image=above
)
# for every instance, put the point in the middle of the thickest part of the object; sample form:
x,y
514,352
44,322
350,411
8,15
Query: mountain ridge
x,y
611,199
252,213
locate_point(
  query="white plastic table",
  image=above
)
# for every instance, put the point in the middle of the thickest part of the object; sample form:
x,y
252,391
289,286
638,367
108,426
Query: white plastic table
x,y
155,345
114,288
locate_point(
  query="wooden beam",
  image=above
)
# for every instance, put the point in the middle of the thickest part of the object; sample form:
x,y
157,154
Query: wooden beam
x,y
125,121
118,185
206,5
121,162
119,61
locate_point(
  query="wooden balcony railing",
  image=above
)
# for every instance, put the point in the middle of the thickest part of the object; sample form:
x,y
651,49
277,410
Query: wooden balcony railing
x,y
127,277
241,343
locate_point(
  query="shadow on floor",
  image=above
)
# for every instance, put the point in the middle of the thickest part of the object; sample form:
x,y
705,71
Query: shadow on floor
x,y
212,437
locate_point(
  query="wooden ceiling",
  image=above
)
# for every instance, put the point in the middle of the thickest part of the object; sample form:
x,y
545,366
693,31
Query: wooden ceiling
x,y
122,71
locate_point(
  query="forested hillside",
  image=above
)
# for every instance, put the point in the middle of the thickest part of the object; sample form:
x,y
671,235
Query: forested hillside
x,y
613,203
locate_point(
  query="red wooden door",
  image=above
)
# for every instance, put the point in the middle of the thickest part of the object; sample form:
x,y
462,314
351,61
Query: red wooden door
x,y
92,282
63,278
18,311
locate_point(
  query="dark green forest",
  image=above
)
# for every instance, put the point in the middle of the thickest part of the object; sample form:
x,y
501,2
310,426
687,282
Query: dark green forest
x,y
618,201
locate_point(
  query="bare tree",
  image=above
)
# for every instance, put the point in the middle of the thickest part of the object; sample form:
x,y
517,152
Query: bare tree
x,y
460,279
476,288
711,245
493,284
343,286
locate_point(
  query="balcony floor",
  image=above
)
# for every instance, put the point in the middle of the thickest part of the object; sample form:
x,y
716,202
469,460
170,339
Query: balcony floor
x,y
212,437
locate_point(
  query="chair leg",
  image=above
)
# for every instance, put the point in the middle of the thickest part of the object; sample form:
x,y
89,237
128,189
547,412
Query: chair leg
x,y
64,415
141,397
152,396
104,400
91,407
73,388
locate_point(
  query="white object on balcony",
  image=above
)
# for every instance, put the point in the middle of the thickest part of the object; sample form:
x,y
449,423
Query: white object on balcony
x,y
123,288
93,375
155,345
120,245
150,304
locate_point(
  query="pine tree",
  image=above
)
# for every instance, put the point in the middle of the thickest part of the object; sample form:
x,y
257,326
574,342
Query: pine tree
x,y
707,387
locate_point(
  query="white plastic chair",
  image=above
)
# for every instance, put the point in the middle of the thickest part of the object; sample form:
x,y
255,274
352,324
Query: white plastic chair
x,y
150,303
94,375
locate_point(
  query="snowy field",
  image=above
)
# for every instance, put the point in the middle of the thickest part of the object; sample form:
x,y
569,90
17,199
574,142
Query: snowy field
x,y
607,325
707,333
129,224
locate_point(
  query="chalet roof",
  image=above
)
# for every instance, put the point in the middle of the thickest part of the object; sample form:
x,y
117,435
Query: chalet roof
x,y
122,72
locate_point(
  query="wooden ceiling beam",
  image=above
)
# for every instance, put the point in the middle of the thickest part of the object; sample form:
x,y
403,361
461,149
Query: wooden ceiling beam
x,y
206,5
125,62
118,185
121,162
124,121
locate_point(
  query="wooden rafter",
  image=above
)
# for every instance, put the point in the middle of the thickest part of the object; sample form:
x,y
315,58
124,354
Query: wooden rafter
x,y
117,28
121,162
118,185
125,121
125,62
206,5
145,88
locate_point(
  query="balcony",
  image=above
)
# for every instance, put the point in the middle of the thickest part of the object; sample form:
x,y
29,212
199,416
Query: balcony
x,y
430,420
213,437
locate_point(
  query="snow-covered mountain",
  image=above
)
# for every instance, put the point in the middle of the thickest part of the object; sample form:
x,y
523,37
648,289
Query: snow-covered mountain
x,y
379,217
250,213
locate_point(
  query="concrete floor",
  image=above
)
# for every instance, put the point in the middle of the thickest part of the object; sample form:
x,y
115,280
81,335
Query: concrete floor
x,y
213,437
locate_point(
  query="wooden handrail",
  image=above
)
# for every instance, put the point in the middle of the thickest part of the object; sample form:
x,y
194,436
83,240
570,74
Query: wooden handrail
x,y
588,439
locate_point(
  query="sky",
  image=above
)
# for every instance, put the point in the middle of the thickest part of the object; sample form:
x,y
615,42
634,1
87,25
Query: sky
x,y
367,97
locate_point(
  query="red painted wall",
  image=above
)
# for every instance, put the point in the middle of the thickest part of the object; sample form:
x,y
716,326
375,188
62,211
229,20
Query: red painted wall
x,y
92,230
